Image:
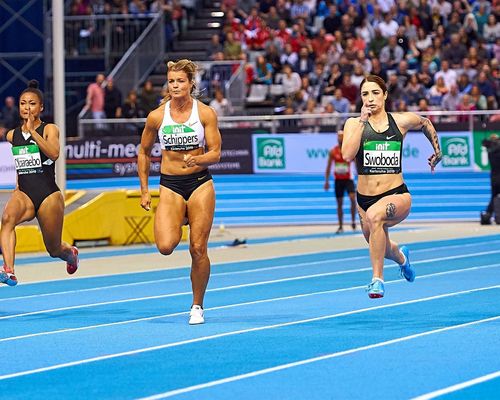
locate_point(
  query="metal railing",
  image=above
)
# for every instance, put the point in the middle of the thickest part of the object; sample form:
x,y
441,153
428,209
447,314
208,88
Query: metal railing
x,y
228,76
300,123
137,63
106,36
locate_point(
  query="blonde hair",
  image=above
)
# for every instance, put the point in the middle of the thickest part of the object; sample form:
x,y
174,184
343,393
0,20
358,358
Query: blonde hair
x,y
186,66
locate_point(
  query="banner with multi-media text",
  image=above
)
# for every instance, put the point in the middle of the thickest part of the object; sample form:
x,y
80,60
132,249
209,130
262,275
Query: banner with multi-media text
x,y
117,156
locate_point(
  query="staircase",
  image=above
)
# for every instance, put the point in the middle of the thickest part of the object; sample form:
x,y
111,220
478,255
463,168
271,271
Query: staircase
x,y
191,44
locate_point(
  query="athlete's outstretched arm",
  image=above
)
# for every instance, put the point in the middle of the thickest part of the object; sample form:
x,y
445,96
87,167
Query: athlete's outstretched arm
x,y
413,121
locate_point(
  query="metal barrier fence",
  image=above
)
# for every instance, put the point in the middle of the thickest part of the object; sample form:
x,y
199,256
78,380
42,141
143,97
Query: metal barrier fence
x,y
299,123
135,65
228,76
107,36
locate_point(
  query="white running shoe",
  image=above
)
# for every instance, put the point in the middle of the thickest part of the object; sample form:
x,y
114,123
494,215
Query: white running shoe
x,y
196,315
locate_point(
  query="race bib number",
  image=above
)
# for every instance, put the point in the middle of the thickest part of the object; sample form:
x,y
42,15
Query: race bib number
x,y
382,157
341,168
27,159
179,137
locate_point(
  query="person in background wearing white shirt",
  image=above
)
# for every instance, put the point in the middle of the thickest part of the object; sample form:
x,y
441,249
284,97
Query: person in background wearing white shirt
x,y
220,104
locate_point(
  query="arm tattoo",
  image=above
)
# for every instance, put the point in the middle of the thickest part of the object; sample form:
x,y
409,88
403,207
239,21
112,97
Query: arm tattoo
x,y
430,133
390,210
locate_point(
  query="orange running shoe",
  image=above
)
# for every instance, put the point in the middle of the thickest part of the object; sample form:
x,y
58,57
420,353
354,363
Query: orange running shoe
x,y
71,268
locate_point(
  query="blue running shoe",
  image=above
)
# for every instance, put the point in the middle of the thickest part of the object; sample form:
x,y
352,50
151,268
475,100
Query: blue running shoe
x,y
8,279
405,270
375,289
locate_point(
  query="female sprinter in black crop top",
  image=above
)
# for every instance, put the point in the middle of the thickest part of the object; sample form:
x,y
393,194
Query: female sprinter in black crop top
x,y
190,141
375,140
35,147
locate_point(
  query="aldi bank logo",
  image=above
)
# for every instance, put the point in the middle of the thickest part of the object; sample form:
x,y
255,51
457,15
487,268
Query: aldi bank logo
x,y
270,153
456,151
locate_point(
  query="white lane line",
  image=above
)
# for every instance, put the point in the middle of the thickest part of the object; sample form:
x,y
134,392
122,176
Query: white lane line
x,y
295,278
260,283
252,270
238,332
458,386
131,321
312,360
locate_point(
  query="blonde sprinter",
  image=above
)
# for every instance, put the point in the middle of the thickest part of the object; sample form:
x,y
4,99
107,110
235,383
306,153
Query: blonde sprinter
x,y
190,140
375,141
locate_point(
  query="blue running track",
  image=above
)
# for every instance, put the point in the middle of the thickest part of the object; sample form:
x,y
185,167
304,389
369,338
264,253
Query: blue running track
x,y
291,327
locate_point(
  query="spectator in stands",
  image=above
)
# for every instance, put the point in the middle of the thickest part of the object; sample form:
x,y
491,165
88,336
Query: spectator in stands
x,y
454,24
396,92
423,39
451,100
232,48
263,71
272,56
304,64
214,47
378,69
112,100
487,89
349,90
391,54
466,104
449,75
9,115
332,22
289,56
321,42
148,98
414,90
358,75
423,108
272,18
220,104
300,10
377,44
347,27
464,85
437,91
388,27
491,30
455,51
132,109
95,100
477,98
340,103
290,81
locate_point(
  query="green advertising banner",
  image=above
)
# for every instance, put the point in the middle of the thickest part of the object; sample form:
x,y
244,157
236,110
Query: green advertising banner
x,y
480,152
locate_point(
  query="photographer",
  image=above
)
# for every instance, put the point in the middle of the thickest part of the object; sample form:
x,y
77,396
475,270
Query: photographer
x,y
492,144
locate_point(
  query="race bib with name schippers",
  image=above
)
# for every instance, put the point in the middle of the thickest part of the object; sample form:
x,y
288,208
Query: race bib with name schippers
x,y
27,159
178,138
382,157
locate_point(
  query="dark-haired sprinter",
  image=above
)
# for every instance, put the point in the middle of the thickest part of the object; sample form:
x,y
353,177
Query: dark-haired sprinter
x,y
375,141
35,147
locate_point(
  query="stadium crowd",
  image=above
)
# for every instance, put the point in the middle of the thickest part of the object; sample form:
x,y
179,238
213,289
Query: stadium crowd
x,y
434,54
